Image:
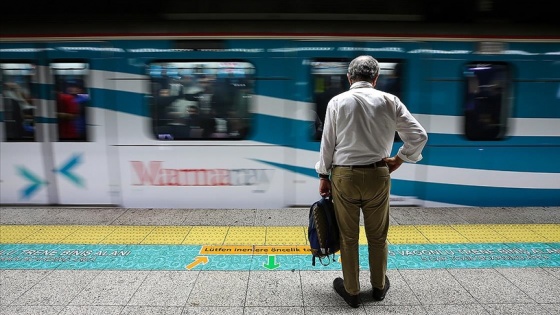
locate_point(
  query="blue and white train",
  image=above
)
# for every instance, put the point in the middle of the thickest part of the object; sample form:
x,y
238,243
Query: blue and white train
x,y
233,122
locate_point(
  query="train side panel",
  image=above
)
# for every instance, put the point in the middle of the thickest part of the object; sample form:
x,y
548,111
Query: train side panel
x,y
128,156
205,173
489,172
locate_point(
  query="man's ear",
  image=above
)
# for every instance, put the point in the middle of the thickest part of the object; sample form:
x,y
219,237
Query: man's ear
x,y
348,76
375,80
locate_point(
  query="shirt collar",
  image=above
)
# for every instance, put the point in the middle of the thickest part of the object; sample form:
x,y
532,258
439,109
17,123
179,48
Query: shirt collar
x,y
361,84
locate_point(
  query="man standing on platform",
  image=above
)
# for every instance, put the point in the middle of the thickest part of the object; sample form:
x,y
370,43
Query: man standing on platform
x,y
355,162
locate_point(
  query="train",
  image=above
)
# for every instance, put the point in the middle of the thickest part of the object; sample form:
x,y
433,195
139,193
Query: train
x,y
224,121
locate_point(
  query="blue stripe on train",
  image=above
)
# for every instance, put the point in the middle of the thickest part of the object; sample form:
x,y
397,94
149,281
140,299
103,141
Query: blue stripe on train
x,y
458,194
450,191
448,140
514,154
478,196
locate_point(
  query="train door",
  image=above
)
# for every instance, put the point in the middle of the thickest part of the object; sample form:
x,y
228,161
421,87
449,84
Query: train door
x,y
53,139
77,152
319,73
22,166
216,138
327,78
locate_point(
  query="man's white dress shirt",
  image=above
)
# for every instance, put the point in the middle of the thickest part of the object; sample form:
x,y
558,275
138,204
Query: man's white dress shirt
x,y
360,125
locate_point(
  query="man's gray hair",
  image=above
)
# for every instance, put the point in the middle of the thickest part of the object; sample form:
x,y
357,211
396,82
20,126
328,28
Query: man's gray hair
x,y
363,68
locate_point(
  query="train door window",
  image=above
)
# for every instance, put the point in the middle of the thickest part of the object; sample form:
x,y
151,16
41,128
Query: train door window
x,y
17,99
201,100
486,105
329,79
72,100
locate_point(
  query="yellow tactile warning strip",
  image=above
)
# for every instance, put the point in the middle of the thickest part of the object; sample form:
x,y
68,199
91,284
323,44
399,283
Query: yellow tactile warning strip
x,y
404,234
208,235
285,235
276,235
245,235
94,234
172,235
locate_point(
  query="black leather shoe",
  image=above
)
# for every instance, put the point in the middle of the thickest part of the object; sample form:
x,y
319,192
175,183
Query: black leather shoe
x,y
378,294
352,300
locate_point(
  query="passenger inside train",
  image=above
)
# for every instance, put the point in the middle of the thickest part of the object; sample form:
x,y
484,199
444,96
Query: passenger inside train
x,y
18,103
201,101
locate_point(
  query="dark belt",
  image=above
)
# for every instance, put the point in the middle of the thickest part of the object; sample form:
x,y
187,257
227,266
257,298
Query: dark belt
x,y
372,165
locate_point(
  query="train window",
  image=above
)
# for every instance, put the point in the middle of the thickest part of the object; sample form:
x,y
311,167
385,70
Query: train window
x,y
201,100
17,98
329,78
486,106
72,100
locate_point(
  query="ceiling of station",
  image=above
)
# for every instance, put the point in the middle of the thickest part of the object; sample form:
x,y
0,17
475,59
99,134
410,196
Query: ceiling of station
x,y
446,17
454,11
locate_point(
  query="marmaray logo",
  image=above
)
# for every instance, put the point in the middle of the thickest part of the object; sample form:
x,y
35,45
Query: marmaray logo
x,y
153,173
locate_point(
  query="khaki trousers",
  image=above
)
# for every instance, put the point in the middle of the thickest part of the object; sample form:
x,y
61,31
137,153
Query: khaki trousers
x,y
367,189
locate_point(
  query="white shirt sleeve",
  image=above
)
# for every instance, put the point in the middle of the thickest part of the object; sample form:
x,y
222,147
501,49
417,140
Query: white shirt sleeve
x,y
413,135
328,141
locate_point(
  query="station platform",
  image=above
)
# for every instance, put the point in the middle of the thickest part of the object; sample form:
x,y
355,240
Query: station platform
x,y
96,260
